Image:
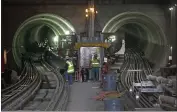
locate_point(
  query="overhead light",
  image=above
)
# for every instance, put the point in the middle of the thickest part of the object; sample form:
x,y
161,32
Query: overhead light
x,y
86,10
96,12
86,15
137,96
171,47
55,39
130,89
64,40
92,9
171,8
67,32
113,38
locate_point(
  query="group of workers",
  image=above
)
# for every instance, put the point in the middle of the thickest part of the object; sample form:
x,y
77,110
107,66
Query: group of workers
x,y
94,66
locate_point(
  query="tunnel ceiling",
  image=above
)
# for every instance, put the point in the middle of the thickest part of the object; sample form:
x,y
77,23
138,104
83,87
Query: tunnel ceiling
x,y
141,31
140,19
39,31
98,2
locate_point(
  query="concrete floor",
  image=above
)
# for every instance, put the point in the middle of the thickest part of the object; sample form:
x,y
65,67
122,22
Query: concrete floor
x,y
81,97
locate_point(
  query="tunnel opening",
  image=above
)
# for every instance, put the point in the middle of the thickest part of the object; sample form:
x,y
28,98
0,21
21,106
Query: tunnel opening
x,y
37,33
140,31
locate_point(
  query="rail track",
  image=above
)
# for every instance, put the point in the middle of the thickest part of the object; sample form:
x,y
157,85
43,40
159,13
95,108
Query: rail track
x,y
135,69
42,88
15,96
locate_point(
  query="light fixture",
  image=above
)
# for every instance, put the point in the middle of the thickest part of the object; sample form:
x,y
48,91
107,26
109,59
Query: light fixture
x,y
130,89
64,40
86,15
86,10
137,96
55,39
92,9
5,56
67,32
171,8
96,12
112,38
171,47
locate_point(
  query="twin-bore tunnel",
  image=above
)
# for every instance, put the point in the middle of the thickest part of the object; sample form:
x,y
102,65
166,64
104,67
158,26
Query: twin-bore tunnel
x,y
135,28
36,30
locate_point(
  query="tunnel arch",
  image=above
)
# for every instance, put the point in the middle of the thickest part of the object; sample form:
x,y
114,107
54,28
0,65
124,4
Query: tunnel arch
x,y
156,48
57,25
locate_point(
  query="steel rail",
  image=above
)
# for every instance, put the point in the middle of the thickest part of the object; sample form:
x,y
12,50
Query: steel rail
x,y
25,90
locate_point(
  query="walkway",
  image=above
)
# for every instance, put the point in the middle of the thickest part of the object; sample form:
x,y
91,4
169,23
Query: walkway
x,y
81,97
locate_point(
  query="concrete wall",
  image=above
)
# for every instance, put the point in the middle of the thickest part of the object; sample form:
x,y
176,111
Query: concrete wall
x,y
13,16
174,34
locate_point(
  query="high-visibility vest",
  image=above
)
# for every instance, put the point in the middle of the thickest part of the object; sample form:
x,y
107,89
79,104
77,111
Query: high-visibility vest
x,y
95,63
70,67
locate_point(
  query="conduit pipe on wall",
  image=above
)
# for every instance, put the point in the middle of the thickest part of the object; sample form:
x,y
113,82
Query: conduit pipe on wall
x,y
167,100
160,79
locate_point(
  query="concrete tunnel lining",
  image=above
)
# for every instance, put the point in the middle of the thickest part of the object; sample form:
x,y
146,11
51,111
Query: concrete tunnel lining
x,y
57,24
156,48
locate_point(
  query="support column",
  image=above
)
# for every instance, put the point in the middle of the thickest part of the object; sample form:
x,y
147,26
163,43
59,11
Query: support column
x,y
91,19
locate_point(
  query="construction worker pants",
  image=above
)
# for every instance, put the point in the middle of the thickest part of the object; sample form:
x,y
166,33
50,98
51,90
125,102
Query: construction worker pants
x,y
95,74
70,77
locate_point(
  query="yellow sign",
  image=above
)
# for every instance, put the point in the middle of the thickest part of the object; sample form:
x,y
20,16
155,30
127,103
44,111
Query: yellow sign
x,y
78,45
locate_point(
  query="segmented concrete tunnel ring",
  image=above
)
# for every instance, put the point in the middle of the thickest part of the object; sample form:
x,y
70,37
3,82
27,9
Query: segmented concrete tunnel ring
x,y
55,24
156,48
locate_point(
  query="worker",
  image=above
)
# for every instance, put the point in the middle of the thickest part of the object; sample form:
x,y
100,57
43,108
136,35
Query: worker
x,y
69,70
104,70
95,64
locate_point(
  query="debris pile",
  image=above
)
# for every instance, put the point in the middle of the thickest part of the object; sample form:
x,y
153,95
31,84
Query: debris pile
x,y
109,94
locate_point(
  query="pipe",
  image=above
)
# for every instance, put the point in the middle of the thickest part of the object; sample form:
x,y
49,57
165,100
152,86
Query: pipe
x,y
151,77
172,82
168,107
172,91
160,87
167,100
160,79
